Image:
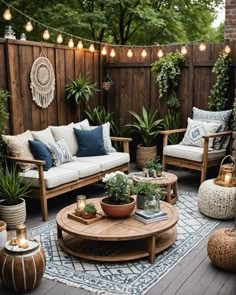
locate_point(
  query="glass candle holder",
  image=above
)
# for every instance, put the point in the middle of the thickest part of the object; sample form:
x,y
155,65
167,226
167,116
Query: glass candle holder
x,y
21,236
80,202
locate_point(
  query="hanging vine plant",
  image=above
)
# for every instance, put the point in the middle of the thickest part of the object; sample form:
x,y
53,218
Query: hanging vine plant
x,y
168,71
218,94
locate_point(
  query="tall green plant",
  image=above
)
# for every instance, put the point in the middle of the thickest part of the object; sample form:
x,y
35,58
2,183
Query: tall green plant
x,y
218,94
167,72
4,95
172,121
147,125
80,89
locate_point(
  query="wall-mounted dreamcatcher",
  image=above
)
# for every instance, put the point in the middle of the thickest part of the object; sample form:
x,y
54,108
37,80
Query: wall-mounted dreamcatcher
x,y
42,81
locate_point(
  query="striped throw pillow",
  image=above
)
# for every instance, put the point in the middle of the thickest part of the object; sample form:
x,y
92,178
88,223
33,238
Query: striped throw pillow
x,y
60,152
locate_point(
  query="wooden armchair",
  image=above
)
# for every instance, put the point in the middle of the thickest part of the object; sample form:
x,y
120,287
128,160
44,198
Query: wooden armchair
x,y
192,157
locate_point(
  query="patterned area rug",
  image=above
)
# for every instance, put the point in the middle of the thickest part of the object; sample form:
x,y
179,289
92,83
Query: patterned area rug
x,y
135,277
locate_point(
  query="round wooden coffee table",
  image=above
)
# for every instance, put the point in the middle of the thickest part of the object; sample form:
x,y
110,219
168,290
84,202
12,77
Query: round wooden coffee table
x,y
168,180
116,239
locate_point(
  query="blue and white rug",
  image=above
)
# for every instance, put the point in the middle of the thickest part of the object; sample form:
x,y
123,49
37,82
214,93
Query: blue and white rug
x,y
135,277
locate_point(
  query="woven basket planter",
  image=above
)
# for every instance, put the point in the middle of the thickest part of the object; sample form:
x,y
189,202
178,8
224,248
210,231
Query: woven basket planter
x,y
221,249
145,153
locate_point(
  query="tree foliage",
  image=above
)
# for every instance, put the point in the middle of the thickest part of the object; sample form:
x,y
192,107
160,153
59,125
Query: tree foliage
x,y
119,21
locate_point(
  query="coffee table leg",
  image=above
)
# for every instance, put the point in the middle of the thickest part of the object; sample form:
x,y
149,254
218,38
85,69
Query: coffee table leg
x,y
168,193
59,233
152,247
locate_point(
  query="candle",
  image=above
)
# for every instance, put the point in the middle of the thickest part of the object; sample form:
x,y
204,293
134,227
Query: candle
x,y
23,243
228,178
81,202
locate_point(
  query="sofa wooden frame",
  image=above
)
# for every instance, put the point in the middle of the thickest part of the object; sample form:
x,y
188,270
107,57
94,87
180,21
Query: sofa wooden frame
x,y
43,194
200,166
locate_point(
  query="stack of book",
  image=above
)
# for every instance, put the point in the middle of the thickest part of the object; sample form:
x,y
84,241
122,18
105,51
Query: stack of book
x,y
142,216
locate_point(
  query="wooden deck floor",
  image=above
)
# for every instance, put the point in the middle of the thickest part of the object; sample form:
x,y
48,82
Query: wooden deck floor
x,y
194,275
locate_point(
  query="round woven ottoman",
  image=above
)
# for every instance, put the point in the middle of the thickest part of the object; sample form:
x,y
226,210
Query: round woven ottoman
x,y
216,201
221,249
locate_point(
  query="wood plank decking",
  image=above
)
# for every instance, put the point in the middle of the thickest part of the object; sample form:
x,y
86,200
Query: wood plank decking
x,y
193,275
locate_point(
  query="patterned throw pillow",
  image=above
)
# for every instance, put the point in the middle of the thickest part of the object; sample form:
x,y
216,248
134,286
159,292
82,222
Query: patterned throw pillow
x,y
60,152
221,117
18,146
195,131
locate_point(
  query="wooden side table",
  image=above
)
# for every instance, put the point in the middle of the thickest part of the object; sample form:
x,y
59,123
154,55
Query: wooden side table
x,y
168,180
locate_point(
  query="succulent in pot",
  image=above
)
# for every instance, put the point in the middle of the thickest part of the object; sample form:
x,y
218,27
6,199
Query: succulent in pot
x,y
118,203
12,191
89,211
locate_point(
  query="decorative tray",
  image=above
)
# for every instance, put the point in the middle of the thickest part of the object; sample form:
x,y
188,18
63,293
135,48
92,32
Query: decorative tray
x,y
140,176
98,217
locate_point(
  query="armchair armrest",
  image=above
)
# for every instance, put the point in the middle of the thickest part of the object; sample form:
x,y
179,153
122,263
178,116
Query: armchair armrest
x,y
36,162
166,133
124,140
217,134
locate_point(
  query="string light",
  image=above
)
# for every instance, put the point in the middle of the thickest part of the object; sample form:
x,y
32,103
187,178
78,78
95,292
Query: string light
x,y
112,53
7,14
28,26
160,53
46,34
202,46
59,38
130,53
227,49
184,50
144,53
71,43
80,44
91,47
104,51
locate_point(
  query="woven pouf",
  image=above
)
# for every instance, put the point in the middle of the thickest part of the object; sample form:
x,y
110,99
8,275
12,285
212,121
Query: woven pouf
x,y
216,201
221,248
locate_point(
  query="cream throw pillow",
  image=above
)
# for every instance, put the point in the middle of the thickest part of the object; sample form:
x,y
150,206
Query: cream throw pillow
x,y
18,146
195,131
44,135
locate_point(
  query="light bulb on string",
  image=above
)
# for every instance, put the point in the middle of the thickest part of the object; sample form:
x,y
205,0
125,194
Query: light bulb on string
x,y
80,44
144,53
28,26
46,34
104,51
91,47
7,14
184,50
112,53
227,49
202,46
130,53
59,38
71,43
160,53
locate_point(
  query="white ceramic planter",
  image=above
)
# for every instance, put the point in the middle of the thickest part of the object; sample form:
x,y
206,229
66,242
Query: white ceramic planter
x,y
14,214
3,233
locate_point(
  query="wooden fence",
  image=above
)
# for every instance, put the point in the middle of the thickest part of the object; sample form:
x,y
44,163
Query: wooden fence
x,y
134,83
17,58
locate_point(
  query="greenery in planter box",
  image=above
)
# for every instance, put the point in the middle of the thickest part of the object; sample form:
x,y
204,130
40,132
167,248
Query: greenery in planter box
x,y
11,187
218,94
90,208
147,125
80,89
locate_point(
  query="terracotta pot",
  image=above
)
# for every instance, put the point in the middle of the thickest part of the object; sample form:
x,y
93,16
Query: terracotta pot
x,y
13,214
88,215
145,153
117,211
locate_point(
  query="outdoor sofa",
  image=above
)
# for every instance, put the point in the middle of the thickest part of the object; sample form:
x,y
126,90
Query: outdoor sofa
x,y
71,169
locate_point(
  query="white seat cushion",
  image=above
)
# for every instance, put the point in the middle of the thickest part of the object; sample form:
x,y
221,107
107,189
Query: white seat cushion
x,y
107,162
82,168
53,177
191,152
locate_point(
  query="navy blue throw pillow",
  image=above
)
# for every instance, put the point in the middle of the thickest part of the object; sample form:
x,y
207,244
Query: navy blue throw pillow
x,y
90,142
40,152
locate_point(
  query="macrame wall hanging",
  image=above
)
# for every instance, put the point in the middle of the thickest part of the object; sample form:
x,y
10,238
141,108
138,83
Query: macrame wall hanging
x,y
42,81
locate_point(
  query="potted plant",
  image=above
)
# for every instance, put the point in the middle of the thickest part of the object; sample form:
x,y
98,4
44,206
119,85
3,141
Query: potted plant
x,y
146,190
80,89
89,211
12,191
148,126
118,203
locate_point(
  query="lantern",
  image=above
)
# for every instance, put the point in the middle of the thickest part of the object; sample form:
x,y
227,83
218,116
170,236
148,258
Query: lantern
x,y
227,174
21,236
